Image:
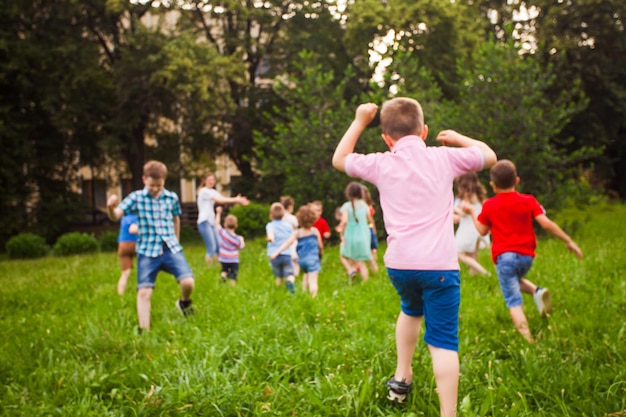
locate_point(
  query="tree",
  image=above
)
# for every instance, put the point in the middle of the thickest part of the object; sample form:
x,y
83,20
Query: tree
x,y
503,101
296,158
585,41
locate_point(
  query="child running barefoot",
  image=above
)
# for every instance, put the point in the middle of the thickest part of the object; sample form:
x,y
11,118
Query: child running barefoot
x,y
310,249
468,240
354,228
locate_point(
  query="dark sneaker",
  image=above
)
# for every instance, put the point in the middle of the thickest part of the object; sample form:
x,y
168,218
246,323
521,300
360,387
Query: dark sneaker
x,y
398,390
184,307
290,287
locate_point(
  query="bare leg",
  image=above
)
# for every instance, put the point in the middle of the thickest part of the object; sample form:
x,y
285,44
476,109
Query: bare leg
x,y
346,264
186,288
446,369
407,333
305,282
313,283
121,283
362,266
232,282
474,265
526,286
279,282
144,295
520,322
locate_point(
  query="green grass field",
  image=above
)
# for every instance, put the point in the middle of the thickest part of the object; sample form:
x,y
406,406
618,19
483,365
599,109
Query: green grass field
x,y
69,347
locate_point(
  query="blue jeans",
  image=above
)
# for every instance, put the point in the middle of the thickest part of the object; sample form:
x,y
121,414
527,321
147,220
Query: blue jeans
x,y
209,236
436,295
511,268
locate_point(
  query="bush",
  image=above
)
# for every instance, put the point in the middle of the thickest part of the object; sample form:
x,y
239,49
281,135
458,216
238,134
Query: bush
x,y
108,241
251,219
189,234
27,246
75,243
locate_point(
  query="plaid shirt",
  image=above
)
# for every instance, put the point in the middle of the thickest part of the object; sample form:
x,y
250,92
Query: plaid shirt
x,y
156,224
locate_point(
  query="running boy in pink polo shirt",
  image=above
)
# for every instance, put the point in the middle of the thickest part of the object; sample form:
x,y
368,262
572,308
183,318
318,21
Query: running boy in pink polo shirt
x,y
415,183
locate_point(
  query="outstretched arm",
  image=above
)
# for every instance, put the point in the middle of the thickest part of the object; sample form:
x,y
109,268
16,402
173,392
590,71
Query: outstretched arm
x,y
483,229
365,113
451,137
554,229
232,200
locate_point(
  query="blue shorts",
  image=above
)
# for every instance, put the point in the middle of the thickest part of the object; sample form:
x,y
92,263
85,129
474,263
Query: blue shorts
x,y
231,269
436,295
209,236
310,264
282,266
511,268
172,263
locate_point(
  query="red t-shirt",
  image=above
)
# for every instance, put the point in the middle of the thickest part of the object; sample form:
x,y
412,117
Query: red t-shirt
x,y
510,216
322,226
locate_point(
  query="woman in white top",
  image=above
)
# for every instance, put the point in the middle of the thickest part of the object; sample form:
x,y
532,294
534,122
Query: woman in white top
x,y
208,196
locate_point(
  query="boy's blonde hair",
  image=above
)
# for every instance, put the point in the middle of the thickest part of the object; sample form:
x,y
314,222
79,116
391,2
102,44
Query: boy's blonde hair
x,y
277,211
503,174
230,222
155,170
306,216
401,116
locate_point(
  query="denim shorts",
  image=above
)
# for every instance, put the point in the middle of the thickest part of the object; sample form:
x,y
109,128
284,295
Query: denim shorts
x,y
511,268
310,264
209,236
231,269
172,263
436,295
282,266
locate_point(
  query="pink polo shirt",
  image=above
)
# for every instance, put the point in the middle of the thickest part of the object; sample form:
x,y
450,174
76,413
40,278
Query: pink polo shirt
x,y
415,183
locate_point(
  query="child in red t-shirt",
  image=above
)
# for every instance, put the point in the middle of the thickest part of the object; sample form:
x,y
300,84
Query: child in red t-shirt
x,y
509,216
320,224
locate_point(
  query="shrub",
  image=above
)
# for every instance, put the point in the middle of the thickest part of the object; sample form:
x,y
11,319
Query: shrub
x,y
27,246
75,243
188,234
108,241
251,219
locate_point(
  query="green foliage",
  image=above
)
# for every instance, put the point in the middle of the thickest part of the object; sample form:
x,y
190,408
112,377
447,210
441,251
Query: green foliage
x,y
297,156
75,243
108,241
251,219
503,101
328,356
26,246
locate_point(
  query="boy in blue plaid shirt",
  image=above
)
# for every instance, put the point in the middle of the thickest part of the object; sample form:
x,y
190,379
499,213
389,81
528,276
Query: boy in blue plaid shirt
x,y
158,248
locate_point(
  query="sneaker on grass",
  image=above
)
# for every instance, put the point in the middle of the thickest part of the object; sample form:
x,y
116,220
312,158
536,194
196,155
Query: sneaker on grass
x,y
398,390
543,301
184,307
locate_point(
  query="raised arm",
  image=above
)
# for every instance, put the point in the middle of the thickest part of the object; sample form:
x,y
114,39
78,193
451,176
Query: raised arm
x,y
451,137
365,113
113,211
555,230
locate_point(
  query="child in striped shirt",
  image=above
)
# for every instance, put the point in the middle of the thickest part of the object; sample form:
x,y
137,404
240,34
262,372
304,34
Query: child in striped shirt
x,y
229,245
